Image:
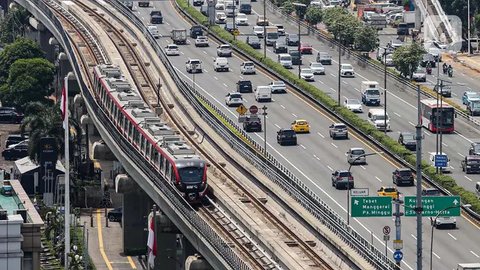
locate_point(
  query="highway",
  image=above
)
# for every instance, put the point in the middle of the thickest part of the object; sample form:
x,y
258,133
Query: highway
x,y
316,156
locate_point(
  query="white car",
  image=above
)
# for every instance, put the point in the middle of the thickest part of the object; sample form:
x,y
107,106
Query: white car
x,y
317,68
172,50
280,29
247,67
153,29
419,75
220,64
220,5
234,99
241,19
353,105
388,60
278,87
346,70
224,50
258,30
445,222
201,41
221,18
307,74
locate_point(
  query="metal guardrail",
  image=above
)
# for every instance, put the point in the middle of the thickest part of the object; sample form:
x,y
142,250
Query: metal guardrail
x,y
182,207
266,163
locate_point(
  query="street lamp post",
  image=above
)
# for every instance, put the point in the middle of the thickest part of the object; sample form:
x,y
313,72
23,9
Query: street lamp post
x,y
385,87
299,5
264,108
264,29
348,185
433,222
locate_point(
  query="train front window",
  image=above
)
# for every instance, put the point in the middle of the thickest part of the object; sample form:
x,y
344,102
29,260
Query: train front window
x,y
190,174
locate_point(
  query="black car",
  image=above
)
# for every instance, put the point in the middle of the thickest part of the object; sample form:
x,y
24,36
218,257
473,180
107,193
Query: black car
x,y
10,115
15,152
14,139
474,149
115,214
403,29
198,2
292,39
407,139
280,47
286,137
246,8
254,42
403,176
252,124
196,31
229,27
431,192
471,164
244,86
428,58
156,17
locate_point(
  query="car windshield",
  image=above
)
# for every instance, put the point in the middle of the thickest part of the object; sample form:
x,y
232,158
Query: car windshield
x,y
172,47
248,64
293,37
373,92
241,16
285,58
191,174
358,152
408,137
405,173
278,83
390,189
344,174
306,70
347,67
431,192
258,29
340,126
202,38
380,117
194,62
301,123
353,101
316,65
288,132
473,161
476,148
235,95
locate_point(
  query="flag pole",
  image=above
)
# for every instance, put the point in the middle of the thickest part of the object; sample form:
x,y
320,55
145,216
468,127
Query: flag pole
x,y
67,170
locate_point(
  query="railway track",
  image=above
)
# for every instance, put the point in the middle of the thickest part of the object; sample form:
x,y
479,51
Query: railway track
x,y
91,50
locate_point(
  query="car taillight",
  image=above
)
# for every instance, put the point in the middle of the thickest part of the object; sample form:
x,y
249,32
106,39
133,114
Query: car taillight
x,y
350,178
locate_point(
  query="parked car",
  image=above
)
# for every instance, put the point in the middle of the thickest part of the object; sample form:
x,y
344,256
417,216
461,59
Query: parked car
x,y
9,115
468,95
353,105
474,149
233,99
343,179
306,48
301,126
307,74
14,139
224,50
254,42
407,139
471,164
338,130
403,176
115,215
278,87
244,86
317,68
172,50
201,41
346,70
286,137
15,151
356,155
247,67
388,192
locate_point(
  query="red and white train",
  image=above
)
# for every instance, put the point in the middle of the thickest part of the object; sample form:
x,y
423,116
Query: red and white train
x,y
158,143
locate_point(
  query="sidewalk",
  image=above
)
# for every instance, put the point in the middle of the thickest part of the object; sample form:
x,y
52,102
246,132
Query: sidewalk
x,y
471,62
105,244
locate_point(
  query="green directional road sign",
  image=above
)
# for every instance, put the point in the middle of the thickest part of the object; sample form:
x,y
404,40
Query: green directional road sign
x,y
432,205
371,206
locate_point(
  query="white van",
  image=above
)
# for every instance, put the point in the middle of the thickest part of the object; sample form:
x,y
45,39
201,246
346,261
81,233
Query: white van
x,y
468,266
285,60
432,161
153,29
377,118
220,64
263,94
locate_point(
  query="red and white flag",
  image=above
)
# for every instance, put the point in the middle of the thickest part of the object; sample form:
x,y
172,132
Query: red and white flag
x,y
152,242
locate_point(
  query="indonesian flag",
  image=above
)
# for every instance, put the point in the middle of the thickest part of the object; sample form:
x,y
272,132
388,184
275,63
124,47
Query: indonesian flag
x,y
151,243
63,103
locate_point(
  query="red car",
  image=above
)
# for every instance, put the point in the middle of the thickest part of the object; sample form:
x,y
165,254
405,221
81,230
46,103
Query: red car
x,y
306,48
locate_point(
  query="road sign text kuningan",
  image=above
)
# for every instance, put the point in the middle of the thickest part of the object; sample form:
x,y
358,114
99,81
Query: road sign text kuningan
x,y
432,205
371,206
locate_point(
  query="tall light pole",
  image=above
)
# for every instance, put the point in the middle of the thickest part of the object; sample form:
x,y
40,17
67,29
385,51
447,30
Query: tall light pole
x,y
339,67
264,29
385,87
468,26
418,208
433,222
264,108
299,5
348,185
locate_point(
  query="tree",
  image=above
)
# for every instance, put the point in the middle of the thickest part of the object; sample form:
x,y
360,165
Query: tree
x,y
344,28
14,24
407,58
28,80
288,7
20,49
366,39
330,15
314,15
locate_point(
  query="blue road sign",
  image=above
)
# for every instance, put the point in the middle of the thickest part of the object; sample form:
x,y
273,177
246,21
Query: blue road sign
x,y
398,255
441,160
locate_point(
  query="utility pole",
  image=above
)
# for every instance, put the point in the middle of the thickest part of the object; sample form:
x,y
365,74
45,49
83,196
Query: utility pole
x,y
385,87
264,29
234,23
418,164
468,26
339,69
398,244
264,108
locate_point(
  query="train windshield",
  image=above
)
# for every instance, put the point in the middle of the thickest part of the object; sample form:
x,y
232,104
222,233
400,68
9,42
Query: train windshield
x,y
191,174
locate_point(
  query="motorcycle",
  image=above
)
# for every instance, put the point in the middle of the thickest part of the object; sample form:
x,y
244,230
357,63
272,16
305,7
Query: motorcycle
x,y
445,69
429,70
450,72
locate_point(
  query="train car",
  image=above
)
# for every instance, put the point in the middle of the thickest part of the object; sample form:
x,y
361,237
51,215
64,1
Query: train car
x,y
157,142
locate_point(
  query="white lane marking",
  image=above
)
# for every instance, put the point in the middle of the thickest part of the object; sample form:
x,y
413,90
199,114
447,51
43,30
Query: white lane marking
x,y
474,254
205,52
330,168
334,145
455,95
397,114
452,236
206,71
319,134
225,85
167,23
301,145
321,82
363,167
315,156
333,75
468,178
460,154
444,144
411,123
215,78
241,77
294,115
451,167
438,257
414,237
356,89
277,126
333,89
380,180
428,134
345,82
182,52
283,107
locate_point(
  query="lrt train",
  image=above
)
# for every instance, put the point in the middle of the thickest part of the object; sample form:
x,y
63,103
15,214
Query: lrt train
x,y
158,143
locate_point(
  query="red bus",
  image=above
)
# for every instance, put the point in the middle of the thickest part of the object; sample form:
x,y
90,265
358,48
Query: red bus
x,y
446,116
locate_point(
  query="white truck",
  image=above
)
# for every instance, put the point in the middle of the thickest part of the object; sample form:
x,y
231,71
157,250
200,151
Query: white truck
x,y
263,93
370,93
271,34
179,36
379,119
285,60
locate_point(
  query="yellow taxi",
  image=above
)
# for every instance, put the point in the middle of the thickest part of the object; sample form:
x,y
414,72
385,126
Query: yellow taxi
x,y
388,191
301,126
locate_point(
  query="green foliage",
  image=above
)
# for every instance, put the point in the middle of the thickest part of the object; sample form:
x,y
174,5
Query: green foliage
x,y
314,15
476,22
321,96
407,58
14,24
341,24
20,49
28,80
288,7
366,39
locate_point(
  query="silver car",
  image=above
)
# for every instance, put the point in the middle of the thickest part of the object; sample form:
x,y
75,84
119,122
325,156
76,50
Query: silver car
x,y
356,155
317,68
